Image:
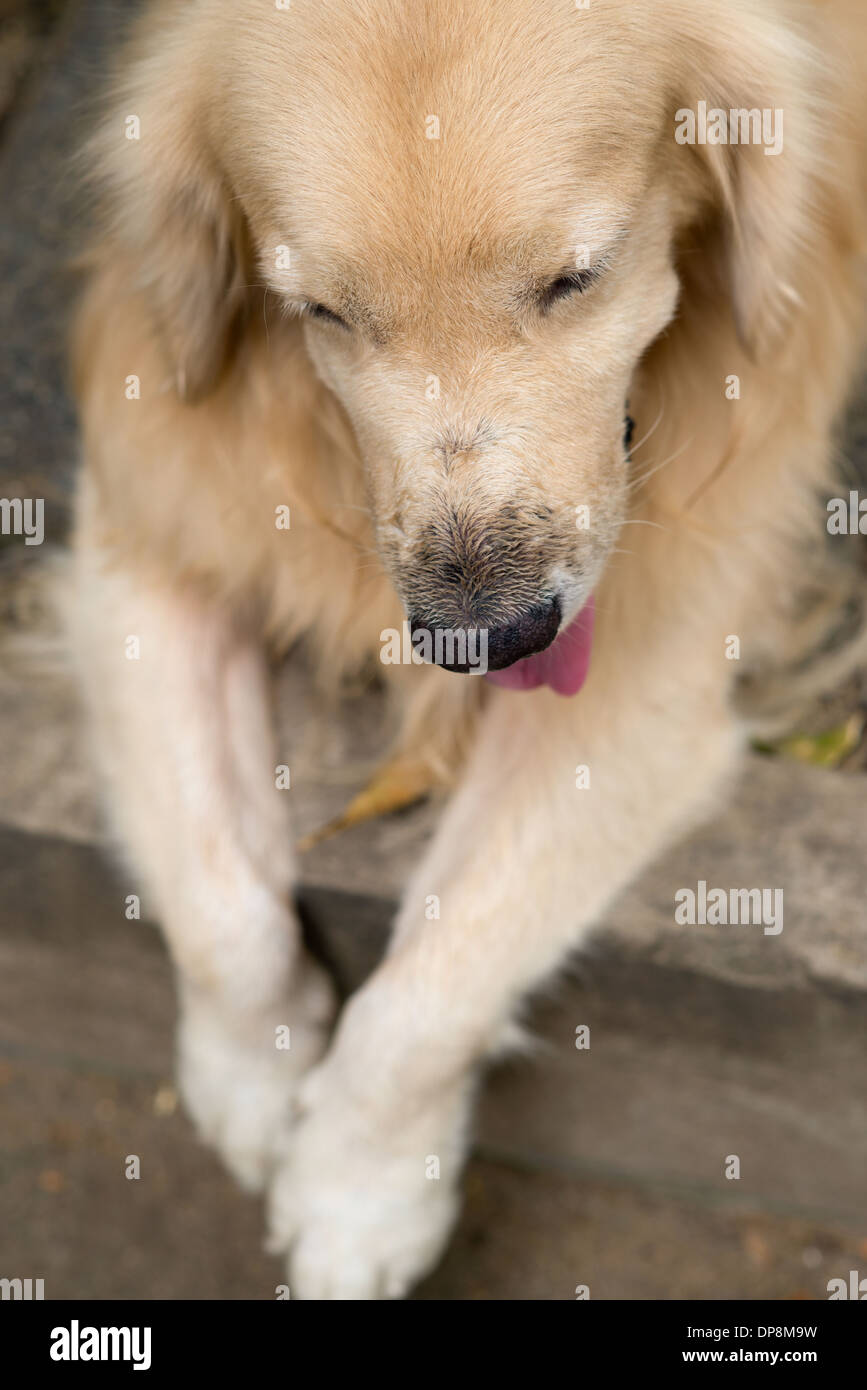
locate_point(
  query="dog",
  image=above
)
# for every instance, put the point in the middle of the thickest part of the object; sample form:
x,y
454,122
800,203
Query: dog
x,y
536,322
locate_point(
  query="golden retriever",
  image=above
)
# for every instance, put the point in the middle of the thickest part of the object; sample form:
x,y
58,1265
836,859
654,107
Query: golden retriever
x,y
378,292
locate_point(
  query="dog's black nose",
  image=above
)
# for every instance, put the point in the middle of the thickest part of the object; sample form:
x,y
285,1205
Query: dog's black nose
x,y
531,632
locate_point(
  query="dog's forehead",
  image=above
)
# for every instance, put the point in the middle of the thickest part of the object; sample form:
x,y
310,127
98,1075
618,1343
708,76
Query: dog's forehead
x,y
393,129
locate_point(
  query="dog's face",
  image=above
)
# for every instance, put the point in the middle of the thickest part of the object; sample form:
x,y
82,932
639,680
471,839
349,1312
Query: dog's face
x,y
479,241
475,211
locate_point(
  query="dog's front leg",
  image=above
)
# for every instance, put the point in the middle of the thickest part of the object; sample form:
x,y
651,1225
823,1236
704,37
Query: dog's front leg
x,y
526,860
179,707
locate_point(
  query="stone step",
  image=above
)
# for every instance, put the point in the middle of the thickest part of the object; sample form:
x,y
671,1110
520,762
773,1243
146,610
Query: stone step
x,y
185,1231
602,1167
705,1042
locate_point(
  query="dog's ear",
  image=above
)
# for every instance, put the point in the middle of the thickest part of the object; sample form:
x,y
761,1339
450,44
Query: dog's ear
x,y
192,270
173,221
767,79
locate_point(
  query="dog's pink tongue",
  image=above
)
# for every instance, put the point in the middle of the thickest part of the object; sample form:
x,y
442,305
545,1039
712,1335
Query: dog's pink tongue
x,y
563,665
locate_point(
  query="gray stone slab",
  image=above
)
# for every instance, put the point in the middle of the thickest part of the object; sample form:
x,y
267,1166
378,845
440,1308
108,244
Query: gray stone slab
x,y
532,1235
70,1216
182,1230
788,826
684,1069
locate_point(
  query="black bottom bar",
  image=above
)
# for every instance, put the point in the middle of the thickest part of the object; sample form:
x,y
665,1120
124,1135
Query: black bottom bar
x,y
239,1338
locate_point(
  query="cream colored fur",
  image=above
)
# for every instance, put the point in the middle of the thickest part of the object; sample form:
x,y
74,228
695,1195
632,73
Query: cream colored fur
x,y
307,129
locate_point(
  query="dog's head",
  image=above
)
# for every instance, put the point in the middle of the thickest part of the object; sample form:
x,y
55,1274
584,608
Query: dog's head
x,y
477,213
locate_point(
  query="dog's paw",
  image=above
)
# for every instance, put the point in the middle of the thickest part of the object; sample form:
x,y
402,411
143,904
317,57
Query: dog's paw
x,y
239,1082
362,1210
370,1231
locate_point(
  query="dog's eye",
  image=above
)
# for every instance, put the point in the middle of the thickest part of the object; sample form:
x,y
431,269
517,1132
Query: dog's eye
x,y
324,314
573,282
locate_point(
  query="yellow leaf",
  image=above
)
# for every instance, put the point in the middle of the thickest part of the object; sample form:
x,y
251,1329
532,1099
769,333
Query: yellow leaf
x,y
396,785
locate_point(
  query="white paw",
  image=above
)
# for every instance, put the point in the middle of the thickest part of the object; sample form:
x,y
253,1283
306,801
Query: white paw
x,y
239,1086
359,1206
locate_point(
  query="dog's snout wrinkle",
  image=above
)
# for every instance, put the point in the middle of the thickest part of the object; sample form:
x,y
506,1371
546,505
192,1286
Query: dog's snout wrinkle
x,y
470,568
456,442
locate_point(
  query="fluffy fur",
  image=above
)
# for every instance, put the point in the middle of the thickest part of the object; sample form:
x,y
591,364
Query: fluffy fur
x,y
306,129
